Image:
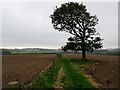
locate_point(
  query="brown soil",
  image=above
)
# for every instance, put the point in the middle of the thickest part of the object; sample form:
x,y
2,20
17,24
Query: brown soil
x,y
21,67
104,72
59,77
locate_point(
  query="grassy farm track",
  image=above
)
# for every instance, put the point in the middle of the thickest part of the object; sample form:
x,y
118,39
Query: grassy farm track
x,y
73,77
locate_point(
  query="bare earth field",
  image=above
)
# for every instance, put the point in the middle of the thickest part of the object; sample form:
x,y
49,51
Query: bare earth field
x,y
21,67
105,72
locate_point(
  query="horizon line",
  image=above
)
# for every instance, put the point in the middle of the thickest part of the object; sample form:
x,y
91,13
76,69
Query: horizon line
x,y
43,48
26,47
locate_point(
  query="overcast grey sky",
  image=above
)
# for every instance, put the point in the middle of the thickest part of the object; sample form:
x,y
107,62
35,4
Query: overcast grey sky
x,y
27,24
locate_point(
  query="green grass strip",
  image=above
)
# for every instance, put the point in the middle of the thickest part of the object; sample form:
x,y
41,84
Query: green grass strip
x,y
47,79
73,78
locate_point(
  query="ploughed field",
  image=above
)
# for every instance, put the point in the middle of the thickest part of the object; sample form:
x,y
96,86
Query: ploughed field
x,y
21,67
104,72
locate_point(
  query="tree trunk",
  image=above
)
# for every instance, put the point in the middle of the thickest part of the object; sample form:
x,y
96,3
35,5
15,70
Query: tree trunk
x,y
83,49
83,54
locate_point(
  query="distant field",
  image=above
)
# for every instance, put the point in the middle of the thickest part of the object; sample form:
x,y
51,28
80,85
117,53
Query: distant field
x,y
105,72
21,67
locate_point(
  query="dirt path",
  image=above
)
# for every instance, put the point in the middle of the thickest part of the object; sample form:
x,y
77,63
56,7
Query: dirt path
x,y
59,77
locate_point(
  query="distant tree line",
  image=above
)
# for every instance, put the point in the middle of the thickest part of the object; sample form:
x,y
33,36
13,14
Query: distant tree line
x,y
5,52
115,52
29,51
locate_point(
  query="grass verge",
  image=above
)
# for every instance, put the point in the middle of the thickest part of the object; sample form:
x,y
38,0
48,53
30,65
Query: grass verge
x,y
72,77
47,79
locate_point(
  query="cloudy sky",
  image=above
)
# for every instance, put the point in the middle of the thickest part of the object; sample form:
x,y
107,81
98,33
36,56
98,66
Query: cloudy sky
x,y
27,24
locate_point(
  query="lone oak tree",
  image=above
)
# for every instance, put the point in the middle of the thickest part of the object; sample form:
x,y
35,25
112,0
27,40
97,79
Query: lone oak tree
x,y
74,18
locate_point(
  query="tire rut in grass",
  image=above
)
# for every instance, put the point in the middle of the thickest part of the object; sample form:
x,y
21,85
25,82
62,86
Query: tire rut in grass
x,y
59,78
